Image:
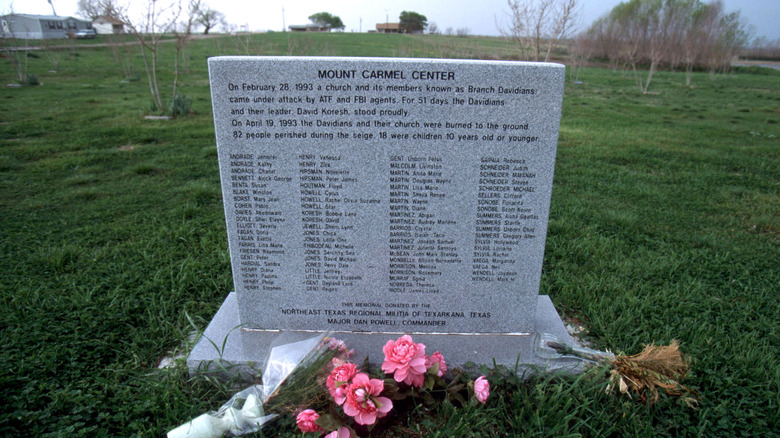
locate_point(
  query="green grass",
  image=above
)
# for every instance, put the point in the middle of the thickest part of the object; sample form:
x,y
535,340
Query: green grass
x,y
665,224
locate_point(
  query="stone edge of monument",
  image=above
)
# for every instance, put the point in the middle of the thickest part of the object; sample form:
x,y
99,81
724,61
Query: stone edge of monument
x,y
282,58
228,349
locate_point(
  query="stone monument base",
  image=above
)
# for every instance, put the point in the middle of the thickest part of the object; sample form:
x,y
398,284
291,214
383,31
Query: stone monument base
x,y
226,346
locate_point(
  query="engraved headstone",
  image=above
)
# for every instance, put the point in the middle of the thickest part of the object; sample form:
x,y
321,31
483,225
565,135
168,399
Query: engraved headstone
x,y
376,197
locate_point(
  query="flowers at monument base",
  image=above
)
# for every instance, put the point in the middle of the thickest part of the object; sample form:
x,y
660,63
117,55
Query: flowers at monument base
x,y
315,381
410,375
328,395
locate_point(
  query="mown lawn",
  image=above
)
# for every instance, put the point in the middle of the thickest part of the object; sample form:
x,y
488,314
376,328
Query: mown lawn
x,y
665,224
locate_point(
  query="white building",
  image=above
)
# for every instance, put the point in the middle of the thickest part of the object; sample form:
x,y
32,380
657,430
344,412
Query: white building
x,y
38,27
105,25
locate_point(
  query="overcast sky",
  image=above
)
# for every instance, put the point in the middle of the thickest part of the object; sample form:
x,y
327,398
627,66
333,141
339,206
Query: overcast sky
x,y
479,16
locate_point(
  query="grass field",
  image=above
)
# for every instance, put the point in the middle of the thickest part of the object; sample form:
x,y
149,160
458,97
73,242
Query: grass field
x,y
665,224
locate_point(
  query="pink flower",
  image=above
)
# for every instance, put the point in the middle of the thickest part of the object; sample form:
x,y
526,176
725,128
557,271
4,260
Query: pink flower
x,y
405,360
436,358
482,389
363,400
338,381
335,344
343,432
338,346
306,421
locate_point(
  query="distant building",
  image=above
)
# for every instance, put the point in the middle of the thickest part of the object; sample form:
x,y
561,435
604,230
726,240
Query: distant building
x,y
311,27
106,25
38,27
388,27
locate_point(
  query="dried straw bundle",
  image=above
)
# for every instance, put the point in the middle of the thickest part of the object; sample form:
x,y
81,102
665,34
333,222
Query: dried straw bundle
x,y
655,367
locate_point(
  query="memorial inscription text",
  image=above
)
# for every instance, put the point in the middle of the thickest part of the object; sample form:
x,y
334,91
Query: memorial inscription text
x,y
382,190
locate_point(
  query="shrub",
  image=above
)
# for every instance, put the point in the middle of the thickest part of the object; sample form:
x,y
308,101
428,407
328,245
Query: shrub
x,y
180,105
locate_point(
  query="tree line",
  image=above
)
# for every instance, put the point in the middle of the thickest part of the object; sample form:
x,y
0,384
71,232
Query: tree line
x,y
673,34
636,34
645,35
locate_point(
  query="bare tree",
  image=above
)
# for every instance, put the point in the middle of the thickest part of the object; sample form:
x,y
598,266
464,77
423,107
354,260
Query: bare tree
x,y
734,34
97,8
53,49
565,13
655,39
183,33
17,57
536,23
676,16
242,40
463,32
122,54
579,53
700,25
159,17
209,18
601,40
521,28
631,26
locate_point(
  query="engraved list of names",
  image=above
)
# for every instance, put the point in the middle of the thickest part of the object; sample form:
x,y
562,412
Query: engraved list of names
x,y
386,194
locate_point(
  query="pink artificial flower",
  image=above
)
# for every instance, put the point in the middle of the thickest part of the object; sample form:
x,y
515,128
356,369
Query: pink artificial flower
x,y
338,346
335,344
338,381
306,421
343,432
405,360
482,389
436,358
363,400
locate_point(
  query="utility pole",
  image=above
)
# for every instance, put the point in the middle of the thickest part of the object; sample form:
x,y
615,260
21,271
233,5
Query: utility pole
x,y
284,28
52,8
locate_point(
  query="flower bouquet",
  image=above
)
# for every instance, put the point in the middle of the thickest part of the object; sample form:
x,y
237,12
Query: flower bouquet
x,y
316,381
359,399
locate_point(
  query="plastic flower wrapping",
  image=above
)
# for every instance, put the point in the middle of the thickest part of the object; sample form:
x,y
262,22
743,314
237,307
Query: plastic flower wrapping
x,y
316,382
245,412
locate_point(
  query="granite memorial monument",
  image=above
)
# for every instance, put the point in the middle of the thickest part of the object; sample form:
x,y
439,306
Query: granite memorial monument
x,y
378,197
